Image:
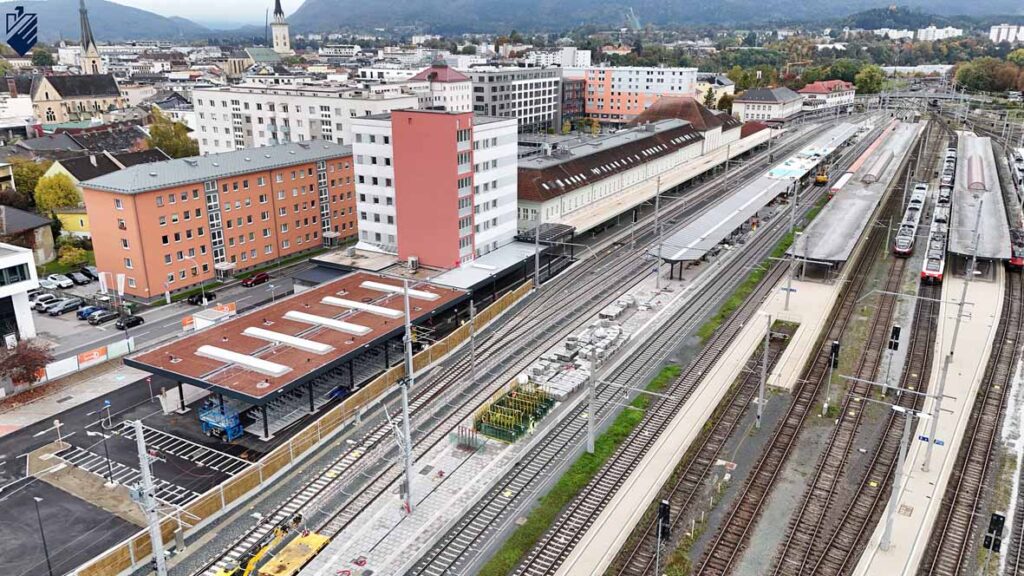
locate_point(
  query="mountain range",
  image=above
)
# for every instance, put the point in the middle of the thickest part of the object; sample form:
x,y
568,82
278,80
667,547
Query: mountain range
x,y
58,19
524,15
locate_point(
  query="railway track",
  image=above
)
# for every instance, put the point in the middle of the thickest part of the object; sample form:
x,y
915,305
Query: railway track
x,y
950,548
803,545
731,537
565,304
456,549
692,474
807,524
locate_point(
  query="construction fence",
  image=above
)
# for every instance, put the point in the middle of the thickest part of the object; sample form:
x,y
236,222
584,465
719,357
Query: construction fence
x,y
133,552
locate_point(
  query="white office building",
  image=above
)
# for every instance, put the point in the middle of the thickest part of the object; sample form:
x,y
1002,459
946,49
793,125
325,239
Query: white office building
x,y
17,278
530,95
237,117
566,57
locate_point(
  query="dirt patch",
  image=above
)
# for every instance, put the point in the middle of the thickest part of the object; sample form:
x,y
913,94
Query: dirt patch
x,y
43,463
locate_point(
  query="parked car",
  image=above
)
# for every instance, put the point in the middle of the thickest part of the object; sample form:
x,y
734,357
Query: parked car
x,y
129,322
197,299
47,284
60,280
103,317
255,279
85,313
68,305
91,272
43,300
79,278
52,304
40,299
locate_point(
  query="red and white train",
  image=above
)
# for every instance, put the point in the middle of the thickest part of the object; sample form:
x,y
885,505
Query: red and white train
x,y
903,244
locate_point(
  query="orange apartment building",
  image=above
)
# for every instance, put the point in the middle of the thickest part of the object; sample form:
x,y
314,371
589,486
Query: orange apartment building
x,y
167,226
618,94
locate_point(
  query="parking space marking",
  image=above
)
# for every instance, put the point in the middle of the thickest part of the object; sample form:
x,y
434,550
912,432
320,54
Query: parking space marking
x,y
125,475
198,454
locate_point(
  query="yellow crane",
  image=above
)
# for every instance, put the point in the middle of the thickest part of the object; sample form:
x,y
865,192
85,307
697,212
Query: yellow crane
x,y
250,559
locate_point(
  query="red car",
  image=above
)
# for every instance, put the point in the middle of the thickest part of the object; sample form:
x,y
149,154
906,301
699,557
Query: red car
x,y
256,279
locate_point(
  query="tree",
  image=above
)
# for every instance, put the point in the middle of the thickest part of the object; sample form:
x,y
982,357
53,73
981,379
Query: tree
x,y
27,174
72,257
468,49
725,102
15,199
709,98
24,362
42,58
869,80
1017,57
57,191
171,137
844,69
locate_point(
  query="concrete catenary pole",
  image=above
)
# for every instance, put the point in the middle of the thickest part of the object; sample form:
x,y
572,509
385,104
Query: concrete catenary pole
x,y
148,501
407,383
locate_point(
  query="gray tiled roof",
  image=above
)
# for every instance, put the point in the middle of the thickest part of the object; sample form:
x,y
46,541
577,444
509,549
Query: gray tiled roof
x,y
780,94
158,175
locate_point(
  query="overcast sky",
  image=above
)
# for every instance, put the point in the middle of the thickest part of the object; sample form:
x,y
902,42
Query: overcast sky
x,y
200,10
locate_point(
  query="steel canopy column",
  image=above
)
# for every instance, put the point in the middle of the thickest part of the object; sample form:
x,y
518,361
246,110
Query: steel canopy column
x,y
266,423
309,387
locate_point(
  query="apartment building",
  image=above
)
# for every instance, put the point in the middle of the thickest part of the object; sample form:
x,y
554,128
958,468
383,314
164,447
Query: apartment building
x,y
530,95
567,56
1006,33
616,95
931,33
443,88
239,117
434,185
167,226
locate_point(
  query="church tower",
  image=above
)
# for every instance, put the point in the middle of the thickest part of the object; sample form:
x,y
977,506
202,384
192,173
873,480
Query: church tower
x,y
279,30
90,61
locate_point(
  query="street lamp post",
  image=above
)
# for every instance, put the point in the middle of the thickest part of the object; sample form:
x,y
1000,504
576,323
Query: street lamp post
x,y
202,281
273,293
42,535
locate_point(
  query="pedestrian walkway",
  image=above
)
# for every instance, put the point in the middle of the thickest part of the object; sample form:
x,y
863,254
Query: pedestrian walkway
x,y
809,303
922,491
52,399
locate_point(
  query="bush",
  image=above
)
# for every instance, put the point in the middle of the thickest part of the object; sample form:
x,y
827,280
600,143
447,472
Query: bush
x,y
72,256
74,241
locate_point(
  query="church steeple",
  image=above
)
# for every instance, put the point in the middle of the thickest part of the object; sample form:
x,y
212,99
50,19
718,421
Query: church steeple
x,y
279,29
90,61
87,40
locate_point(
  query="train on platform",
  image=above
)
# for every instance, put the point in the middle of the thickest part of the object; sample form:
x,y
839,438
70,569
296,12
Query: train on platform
x,y
906,236
1016,261
1017,172
935,257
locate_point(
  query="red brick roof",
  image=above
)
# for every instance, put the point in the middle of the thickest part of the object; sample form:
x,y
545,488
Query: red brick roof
x,y
688,109
826,86
441,72
752,127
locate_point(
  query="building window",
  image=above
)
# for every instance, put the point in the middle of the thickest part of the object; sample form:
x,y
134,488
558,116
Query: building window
x,y
124,243
128,263
118,204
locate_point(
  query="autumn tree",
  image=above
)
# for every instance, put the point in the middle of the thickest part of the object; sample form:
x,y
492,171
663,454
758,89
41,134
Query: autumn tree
x,y
171,137
57,191
72,256
23,363
869,80
27,174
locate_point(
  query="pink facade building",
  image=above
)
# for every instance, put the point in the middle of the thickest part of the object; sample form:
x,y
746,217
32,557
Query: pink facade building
x,y
435,187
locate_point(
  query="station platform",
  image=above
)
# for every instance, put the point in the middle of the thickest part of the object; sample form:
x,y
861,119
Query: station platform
x,y
977,182
694,241
388,541
833,234
602,542
923,491
596,213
